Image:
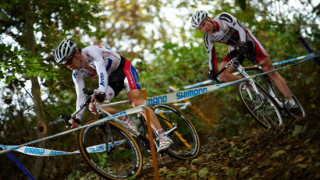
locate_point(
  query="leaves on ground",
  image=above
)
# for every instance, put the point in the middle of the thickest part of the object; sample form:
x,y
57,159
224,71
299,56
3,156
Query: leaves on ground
x,y
288,153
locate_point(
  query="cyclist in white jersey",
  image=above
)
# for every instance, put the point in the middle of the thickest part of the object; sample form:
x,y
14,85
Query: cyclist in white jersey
x,y
114,73
226,29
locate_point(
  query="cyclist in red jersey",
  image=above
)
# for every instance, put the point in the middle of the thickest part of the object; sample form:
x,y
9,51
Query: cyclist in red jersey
x,y
226,29
115,73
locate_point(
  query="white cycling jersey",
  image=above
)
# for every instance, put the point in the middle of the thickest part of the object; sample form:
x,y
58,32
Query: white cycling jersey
x,y
231,32
105,61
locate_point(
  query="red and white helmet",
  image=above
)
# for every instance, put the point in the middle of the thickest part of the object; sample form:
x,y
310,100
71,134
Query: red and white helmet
x,y
197,18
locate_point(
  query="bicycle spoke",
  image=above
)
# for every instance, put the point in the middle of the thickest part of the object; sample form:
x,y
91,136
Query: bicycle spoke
x,y
111,152
186,141
279,97
261,106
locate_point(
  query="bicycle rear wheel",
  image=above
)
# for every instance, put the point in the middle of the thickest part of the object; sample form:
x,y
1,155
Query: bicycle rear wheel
x,y
300,113
262,108
186,143
274,92
110,150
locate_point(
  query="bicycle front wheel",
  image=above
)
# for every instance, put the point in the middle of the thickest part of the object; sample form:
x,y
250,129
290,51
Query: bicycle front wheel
x,y
110,150
261,106
186,143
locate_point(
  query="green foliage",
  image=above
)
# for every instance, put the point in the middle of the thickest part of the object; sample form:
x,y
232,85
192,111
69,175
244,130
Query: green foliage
x,y
242,4
177,63
139,31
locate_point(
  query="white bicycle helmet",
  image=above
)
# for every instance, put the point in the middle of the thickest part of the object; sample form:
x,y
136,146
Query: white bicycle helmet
x,y
64,50
197,18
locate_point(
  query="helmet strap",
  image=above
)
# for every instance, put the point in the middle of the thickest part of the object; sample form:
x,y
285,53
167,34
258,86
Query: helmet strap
x,y
80,63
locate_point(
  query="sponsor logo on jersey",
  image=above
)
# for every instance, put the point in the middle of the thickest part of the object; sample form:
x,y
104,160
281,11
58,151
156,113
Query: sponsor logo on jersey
x,y
190,93
74,74
130,79
101,79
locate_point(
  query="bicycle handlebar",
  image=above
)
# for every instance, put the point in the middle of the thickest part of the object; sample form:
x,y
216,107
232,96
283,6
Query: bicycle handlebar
x,y
88,92
230,63
66,118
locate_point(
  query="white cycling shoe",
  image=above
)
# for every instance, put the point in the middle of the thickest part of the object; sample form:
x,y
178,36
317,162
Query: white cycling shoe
x,y
132,125
164,143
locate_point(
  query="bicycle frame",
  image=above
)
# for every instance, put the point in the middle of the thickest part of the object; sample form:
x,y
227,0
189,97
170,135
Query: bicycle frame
x,y
238,67
101,111
267,82
107,146
107,104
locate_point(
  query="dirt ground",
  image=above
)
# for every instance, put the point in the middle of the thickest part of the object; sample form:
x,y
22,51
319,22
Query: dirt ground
x,y
291,152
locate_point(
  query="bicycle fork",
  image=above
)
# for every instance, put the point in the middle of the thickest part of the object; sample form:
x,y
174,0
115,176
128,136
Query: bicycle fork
x,y
105,135
272,92
252,83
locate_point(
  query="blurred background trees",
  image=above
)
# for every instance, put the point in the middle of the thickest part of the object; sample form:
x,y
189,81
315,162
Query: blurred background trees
x,y
156,36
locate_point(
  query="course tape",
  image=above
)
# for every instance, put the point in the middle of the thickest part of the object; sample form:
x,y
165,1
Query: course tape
x,y
162,99
187,94
274,64
33,151
123,113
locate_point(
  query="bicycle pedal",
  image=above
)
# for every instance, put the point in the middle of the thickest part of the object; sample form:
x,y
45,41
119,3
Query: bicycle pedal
x,y
288,115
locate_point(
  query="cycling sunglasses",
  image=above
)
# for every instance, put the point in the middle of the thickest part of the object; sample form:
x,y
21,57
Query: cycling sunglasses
x,y
69,61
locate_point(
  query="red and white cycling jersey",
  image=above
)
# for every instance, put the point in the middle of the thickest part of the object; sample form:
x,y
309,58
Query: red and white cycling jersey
x,y
230,32
114,72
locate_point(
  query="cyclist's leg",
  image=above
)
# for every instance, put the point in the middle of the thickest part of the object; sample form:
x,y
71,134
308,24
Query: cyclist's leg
x,y
266,65
259,54
186,140
227,75
132,86
112,92
136,99
131,83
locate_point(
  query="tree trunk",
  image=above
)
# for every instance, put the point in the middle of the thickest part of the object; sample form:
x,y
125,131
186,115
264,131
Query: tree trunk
x,y
36,92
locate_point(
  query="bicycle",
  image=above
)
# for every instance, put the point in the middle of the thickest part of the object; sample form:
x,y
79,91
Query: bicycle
x,y
277,95
265,105
112,151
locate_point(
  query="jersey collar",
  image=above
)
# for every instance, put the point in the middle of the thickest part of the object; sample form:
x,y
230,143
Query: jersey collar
x,y
216,24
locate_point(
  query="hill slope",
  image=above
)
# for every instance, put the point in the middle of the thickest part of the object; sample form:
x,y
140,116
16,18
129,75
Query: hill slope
x,y
289,153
